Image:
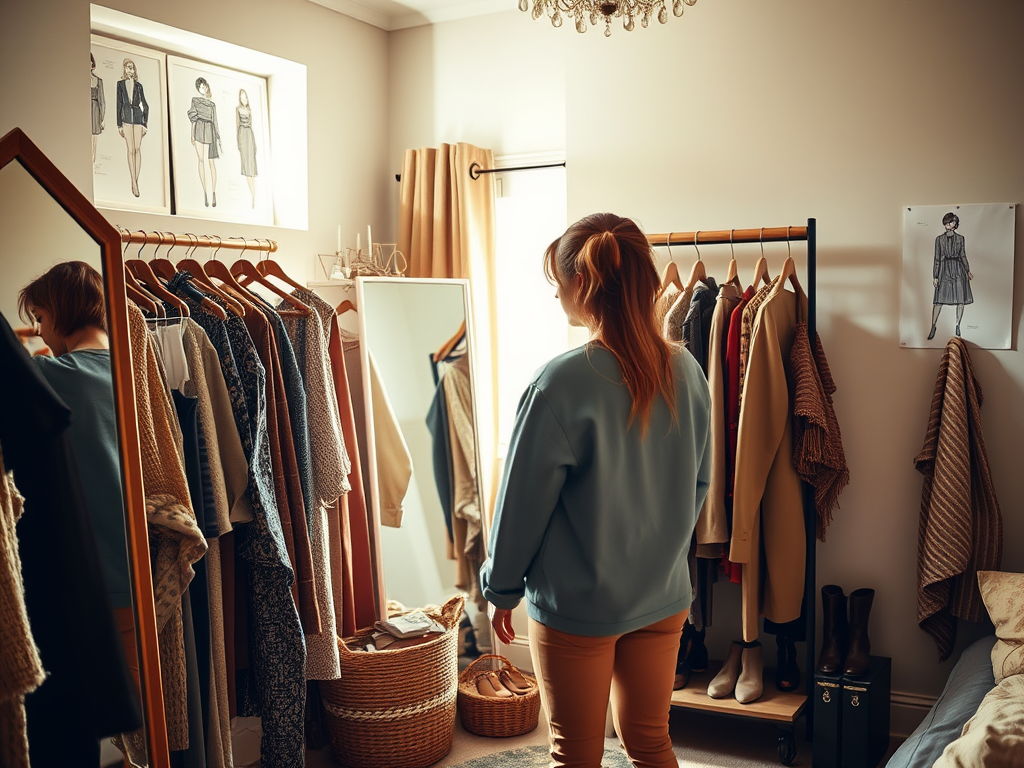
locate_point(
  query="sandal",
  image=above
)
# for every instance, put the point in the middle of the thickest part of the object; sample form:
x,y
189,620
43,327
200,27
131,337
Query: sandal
x,y
514,681
489,685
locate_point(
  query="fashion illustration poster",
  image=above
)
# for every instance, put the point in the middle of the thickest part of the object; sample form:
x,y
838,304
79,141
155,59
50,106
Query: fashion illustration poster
x,y
957,275
221,143
128,120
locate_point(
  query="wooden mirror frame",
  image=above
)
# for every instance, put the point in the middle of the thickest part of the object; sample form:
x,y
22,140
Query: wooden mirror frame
x,y
16,146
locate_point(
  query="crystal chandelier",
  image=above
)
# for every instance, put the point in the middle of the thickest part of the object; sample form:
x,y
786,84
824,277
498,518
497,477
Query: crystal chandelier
x,y
604,10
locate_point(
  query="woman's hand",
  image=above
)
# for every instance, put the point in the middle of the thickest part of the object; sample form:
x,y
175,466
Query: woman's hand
x,y
143,130
121,131
501,620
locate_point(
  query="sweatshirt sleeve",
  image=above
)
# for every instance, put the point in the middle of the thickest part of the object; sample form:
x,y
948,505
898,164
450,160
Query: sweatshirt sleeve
x,y
539,459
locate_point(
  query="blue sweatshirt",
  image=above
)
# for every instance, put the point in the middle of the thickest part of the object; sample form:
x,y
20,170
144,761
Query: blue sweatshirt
x,y
593,524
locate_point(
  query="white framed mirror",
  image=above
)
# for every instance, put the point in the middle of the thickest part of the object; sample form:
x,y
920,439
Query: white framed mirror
x,y
418,402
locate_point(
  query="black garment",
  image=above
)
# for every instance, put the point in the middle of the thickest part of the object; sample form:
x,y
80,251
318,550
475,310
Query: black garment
x,y
65,589
437,423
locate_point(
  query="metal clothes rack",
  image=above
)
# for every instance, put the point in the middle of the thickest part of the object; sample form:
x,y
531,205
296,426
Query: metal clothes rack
x,y
782,719
188,240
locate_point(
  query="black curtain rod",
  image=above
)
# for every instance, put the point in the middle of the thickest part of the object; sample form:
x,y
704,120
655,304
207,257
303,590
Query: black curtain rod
x,y
476,171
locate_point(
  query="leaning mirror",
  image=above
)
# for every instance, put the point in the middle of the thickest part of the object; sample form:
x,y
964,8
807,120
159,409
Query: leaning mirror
x,y
419,406
71,507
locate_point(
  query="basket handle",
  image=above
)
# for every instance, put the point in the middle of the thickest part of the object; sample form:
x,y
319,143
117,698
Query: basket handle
x,y
468,672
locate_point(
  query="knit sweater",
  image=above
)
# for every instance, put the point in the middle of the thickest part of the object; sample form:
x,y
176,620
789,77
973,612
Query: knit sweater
x,y
593,522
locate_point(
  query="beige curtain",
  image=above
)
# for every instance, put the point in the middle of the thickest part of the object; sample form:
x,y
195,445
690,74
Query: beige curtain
x,y
446,229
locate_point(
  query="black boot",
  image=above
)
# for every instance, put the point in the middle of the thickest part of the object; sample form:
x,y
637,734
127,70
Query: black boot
x,y
858,657
682,668
787,672
833,646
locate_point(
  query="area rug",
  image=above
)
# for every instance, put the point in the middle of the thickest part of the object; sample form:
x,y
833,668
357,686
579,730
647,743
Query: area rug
x,y
536,757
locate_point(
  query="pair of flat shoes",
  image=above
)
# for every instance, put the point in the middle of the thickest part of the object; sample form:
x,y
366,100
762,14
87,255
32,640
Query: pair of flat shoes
x,y
503,685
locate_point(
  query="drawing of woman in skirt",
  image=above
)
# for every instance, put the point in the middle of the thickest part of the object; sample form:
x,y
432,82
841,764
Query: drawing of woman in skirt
x,y
205,138
951,274
99,106
246,140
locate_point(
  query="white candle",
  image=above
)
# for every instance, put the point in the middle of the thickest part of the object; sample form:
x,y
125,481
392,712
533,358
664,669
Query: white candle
x,y
338,249
369,241
358,244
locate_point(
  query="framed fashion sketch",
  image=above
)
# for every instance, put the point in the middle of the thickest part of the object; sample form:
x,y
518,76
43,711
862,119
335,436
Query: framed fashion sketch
x,y
128,118
957,275
220,136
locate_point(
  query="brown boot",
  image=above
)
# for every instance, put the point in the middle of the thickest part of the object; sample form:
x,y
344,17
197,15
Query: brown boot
x,y
833,646
859,655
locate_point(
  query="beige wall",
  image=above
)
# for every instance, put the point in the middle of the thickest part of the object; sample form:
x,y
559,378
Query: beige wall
x,y
749,114
44,44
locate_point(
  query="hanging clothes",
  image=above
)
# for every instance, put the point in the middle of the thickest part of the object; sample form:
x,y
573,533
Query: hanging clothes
x,y
960,528
63,578
275,641
444,481
21,669
768,498
175,539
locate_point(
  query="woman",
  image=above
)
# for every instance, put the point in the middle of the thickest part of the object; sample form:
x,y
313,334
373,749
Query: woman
x,y
951,274
246,141
99,106
205,137
132,118
608,466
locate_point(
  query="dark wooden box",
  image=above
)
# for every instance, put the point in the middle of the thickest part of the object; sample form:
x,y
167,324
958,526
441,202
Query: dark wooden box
x,y
828,704
865,715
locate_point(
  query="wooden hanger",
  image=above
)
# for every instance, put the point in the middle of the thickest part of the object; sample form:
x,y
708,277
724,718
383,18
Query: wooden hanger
x,y
139,298
731,276
697,274
344,307
164,267
788,271
270,268
245,268
217,270
144,274
671,274
448,346
761,267
198,273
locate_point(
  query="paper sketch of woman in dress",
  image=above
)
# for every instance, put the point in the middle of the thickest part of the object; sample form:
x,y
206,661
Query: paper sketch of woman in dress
x,y
132,118
951,274
246,141
99,106
205,138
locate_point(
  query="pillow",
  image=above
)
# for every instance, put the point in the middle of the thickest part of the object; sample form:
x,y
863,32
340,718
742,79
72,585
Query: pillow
x,y
994,737
1003,594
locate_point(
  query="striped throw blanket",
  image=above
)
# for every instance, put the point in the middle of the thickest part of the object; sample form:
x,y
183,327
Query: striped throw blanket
x,y
961,527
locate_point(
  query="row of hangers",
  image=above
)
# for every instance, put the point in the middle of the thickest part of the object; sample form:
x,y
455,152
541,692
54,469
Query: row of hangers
x,y
145,280
698,273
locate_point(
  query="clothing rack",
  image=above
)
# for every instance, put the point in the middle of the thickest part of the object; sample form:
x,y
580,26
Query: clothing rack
x,y
771,235
188,240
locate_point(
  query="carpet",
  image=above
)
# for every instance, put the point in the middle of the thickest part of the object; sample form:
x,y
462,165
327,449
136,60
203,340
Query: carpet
x,y
536,757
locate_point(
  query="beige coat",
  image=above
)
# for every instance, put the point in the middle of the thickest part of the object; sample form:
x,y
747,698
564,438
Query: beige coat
x,y
767,497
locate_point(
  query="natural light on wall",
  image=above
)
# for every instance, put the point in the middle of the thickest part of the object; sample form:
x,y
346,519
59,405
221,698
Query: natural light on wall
x,y
532,329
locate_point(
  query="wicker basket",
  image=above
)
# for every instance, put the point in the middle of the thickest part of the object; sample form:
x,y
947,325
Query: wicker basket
x,y
395,708
488,716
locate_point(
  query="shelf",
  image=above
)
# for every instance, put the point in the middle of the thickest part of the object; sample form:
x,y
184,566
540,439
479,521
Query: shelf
x,y
774,705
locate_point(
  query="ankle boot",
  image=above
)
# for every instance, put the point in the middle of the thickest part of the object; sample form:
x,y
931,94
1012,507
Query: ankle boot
x,y
725,681
750,684
833,646
858,657
682,668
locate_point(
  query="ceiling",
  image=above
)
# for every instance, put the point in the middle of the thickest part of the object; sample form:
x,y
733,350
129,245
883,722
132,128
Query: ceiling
x,y
390,15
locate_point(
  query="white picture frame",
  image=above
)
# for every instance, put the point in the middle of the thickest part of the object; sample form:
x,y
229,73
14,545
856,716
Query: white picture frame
x,y
131,163
957,275
207,117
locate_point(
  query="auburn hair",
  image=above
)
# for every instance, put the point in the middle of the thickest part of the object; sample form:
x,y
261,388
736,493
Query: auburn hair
x,y
72,292
615,298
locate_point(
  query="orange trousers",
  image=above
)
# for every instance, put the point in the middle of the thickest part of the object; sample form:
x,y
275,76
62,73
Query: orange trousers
x,y
577,675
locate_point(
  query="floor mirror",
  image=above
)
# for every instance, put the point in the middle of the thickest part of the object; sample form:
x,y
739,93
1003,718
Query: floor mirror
x,y
46,220
419,405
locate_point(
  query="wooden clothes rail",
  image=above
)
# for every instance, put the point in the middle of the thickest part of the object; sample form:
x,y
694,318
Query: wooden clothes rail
x,y
186,240
780,708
